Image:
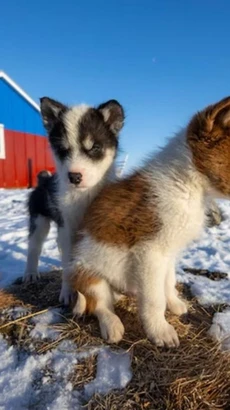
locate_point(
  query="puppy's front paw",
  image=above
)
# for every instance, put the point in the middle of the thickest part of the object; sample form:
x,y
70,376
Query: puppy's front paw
x,y
164,334
30,276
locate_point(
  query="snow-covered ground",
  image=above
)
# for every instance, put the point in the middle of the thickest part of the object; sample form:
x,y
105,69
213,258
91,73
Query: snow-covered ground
x,y
212,250
25,375
42,381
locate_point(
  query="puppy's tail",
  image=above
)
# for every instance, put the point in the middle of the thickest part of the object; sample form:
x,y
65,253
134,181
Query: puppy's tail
x,y
83,283
81,305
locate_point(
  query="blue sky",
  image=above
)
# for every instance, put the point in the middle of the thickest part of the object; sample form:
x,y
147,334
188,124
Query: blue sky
x,y
162,59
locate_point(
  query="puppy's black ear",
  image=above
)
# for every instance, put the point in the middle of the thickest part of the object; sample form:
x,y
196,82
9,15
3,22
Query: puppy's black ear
x,y
113,114
50,110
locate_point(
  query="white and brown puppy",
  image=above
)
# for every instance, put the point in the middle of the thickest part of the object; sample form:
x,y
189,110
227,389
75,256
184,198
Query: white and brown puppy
x,y
135,228
84,141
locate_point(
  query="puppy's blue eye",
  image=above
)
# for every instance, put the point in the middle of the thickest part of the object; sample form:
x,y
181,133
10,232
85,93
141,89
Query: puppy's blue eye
x,y
96,148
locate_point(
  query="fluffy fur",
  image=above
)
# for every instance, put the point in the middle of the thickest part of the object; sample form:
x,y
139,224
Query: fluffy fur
x,y
43,209
84,141
135,228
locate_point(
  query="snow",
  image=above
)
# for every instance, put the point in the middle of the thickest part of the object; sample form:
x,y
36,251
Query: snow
x,y
42,381
29,380
43,322
14,313
211,251
220,329
208,292
113,372
23,380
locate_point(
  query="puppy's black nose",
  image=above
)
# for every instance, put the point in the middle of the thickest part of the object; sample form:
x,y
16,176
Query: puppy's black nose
x,y
75,177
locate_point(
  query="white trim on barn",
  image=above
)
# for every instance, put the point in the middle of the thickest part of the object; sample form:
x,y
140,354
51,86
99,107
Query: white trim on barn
x,y
2,142
19,90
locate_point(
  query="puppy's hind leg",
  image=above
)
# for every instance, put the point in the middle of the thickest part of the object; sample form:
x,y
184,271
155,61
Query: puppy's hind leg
x,y
38,231
96,297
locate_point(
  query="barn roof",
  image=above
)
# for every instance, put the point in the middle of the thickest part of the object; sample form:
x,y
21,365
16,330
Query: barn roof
x,y
19,90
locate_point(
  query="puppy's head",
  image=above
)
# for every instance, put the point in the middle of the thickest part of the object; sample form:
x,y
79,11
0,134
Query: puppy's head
x,y
84,140
208,136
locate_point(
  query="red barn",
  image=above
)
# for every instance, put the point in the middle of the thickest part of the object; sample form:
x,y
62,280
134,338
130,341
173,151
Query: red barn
x,y
24,148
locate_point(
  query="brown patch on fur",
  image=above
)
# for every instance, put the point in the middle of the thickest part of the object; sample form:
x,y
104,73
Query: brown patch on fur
x,y
81,281
208,136
122,213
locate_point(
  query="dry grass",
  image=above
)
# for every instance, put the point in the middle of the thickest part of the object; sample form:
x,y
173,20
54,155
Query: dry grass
x,y
84,372
196,376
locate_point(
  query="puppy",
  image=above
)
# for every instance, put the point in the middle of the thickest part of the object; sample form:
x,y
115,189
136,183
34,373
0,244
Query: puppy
x,y
136,227
43,209
84,141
